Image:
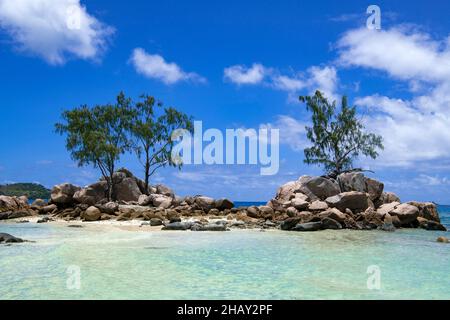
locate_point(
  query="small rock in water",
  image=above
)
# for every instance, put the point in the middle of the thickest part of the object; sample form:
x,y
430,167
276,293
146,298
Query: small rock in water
x,y
309,226
387,227
44,220
75,226
209,227
442,240
177,226
7,238
154,222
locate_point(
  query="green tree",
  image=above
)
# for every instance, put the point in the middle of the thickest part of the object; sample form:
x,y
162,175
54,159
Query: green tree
x,y
337,136
152,128
98,135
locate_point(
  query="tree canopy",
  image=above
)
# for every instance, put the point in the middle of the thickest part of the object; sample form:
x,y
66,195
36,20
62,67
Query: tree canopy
x,y
98,135
151,129
338,137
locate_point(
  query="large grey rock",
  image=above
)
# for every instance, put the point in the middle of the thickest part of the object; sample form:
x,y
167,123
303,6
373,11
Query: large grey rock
x,y
265,211
318,206
356,181
92,194
92,214
406,213
223,204
299,203
161,201
318,187
387,207
329,223
62,194
290,223
8,204
374,188
108,208
205,203
127,190
145,200
334,214
352,181
287,191
427,210
164,190
353,200
309,226
387,197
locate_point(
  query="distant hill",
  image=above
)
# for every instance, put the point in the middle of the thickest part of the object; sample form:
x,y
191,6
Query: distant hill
x,y
31,190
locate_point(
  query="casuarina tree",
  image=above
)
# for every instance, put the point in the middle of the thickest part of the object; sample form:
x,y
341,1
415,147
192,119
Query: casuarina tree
x,y
98,135
337,136
152,128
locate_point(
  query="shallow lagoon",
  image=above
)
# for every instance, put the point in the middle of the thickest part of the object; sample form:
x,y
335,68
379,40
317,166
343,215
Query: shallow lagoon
x,y
240,264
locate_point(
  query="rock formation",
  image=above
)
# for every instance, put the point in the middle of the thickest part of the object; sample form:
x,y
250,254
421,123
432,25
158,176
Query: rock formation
x,y
351,201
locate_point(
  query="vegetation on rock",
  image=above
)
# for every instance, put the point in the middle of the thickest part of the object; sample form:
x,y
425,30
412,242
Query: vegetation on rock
x,y
31,190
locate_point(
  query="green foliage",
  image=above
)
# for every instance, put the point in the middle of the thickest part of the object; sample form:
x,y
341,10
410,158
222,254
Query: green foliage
x,y
98,135
31,190
151,128
337,136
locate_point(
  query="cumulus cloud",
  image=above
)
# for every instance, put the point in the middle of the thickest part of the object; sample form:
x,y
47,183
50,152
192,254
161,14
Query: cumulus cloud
x,y
323,78
292,132
415,130
239,74
156,67
54,30
403,52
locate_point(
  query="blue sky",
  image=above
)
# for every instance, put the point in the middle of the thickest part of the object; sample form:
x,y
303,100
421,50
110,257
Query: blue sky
x,y
231,65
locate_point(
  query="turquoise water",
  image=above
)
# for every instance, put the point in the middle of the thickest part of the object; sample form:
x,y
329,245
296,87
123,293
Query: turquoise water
x,y
120,264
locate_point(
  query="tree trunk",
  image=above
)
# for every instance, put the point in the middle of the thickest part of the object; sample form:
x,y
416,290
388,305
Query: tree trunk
x,y
110,187
147,176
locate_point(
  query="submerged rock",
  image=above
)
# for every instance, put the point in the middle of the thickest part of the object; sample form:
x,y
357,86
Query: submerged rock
x,y
442,240
7,238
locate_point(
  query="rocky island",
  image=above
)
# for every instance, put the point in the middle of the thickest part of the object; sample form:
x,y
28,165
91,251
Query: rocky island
x,y
349,201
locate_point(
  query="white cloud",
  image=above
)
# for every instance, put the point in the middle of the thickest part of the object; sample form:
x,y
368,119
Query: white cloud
x,y
239,74
432,180
402,52
415,130
54,30
292,132
323,78
288,84
154,66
